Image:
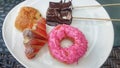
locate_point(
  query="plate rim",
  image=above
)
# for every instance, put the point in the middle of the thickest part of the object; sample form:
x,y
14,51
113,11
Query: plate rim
x,y
3,35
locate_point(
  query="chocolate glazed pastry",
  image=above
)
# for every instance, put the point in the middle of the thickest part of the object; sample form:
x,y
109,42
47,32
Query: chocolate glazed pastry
x,y
59,13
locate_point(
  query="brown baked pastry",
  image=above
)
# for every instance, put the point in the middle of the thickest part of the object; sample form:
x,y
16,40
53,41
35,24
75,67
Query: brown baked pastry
x,y
26,18
59,13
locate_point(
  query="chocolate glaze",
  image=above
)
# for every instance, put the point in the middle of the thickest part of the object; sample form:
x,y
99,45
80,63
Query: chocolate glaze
x,y
59,13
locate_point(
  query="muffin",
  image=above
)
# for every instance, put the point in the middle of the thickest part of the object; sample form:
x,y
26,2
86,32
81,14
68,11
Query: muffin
x,y
26,18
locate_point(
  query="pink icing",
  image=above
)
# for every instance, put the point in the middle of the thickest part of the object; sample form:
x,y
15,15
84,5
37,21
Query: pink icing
x,y
70,54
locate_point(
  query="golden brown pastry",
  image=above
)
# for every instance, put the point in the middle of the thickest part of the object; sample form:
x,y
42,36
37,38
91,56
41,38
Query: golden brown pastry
x,y
26,18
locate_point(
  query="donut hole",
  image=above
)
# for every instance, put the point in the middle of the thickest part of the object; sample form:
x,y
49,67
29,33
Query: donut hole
x,y
66,42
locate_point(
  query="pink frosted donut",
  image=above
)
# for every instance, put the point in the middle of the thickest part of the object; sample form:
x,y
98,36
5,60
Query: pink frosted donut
x,y
69,54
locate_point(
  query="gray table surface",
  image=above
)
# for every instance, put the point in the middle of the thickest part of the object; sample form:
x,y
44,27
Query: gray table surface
x,y
7,60
114,12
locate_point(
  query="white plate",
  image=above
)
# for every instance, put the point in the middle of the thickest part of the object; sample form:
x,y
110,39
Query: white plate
x,y
100,36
